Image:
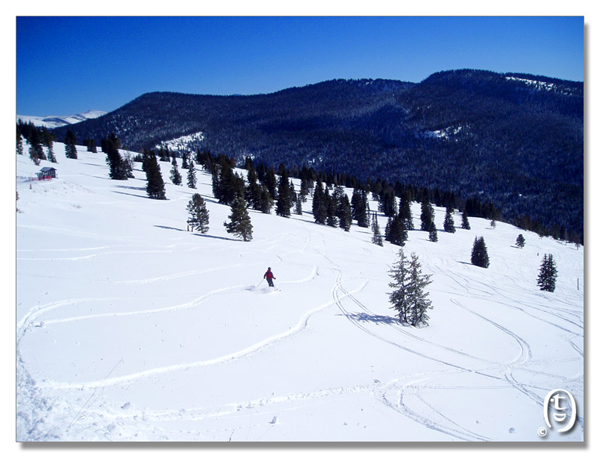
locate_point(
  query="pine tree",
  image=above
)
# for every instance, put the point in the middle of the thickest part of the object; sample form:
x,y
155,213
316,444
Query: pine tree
x,y
198,213
175,175
417,315
271,182
118,168
191,175
396,232
266,200
344,213
548,273
319,205
359,207
298,206
427,213
465,221
331,205
408,296
520,241
284,200
479,255
253,190
240,224
405,212
48,141
433,236
449,221
36,152
377,238
19,141
70,145
155,188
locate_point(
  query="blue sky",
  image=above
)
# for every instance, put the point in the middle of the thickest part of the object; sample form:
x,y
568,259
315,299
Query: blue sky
x,y
67,65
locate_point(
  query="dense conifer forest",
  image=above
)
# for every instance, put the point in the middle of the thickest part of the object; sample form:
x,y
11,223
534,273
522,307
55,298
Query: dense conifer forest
x,y
505,145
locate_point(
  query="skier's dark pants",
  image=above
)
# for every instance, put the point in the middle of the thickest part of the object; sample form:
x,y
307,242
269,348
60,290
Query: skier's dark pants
x,y
270,282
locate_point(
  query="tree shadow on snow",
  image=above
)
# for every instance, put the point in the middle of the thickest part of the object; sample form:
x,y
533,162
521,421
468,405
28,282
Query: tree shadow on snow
x,y
197,234
372,318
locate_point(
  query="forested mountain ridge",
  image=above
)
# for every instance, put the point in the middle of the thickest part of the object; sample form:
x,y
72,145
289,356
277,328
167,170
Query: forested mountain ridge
x,y
513,139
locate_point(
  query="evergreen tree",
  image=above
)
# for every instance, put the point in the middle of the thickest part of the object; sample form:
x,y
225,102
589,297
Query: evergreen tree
x,y
433,236
320,204
48,139
175,175
520,241
344,213
118,168
19,141
284,193
408,296
479,255
155,187
191,175
331,205
405,211
240,224
396,232
70,145
449,221
184,162
359,207
417,315
266,200
253,190
427,214
298,206
270,181
377,238
198,213
465,220
548,273
91,145
36,151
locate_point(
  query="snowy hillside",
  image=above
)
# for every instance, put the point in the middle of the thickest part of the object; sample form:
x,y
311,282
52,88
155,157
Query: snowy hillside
x,y
130,328
51,122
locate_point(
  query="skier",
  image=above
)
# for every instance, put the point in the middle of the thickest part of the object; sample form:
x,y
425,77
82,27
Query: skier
x,y
269,276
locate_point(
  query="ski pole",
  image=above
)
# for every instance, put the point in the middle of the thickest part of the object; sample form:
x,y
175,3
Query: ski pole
x,y
259,283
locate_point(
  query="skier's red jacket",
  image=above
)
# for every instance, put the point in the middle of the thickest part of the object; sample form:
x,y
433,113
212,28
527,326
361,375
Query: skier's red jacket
x,y
269,275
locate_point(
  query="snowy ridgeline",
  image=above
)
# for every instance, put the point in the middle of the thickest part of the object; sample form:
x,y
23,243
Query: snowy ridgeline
x,y
130,328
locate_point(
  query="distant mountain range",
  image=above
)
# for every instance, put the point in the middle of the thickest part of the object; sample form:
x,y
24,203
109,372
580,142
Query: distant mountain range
x,y
52,122
515,140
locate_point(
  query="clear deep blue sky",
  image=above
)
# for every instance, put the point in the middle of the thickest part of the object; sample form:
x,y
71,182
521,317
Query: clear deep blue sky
x,y
67,65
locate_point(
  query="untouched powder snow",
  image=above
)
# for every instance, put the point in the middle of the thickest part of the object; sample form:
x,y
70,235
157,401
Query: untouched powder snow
x,y
130,328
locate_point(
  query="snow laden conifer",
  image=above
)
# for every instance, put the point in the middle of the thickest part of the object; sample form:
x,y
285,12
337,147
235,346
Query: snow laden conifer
x,y
240,225
198,213
409,298
520,241
548,273
479,255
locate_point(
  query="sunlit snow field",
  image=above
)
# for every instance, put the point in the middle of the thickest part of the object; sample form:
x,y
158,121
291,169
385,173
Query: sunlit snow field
x,y
130,328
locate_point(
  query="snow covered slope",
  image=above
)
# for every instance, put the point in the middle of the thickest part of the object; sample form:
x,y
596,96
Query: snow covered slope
x,y
58,121
130,328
